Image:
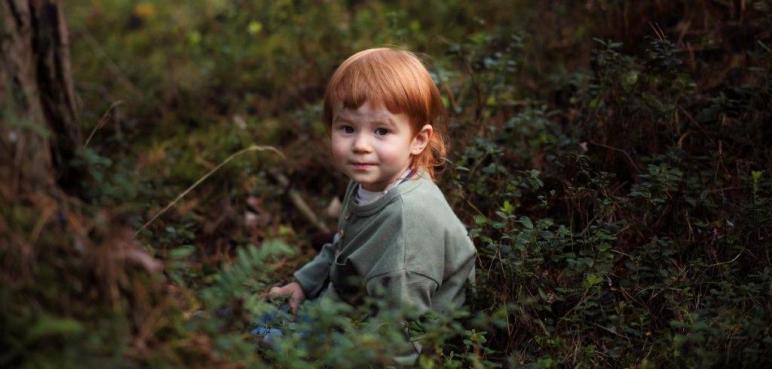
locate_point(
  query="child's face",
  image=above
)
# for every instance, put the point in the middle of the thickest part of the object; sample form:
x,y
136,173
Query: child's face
x,y
374,146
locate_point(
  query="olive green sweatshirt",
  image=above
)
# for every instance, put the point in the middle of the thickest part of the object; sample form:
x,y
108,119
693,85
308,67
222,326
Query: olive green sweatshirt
x,y
407,247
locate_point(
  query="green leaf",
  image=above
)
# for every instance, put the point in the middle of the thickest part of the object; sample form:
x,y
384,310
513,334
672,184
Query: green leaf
x,y
592,280
49,325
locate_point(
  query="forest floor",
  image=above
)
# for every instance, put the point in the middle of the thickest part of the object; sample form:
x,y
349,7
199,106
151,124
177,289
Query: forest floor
x,y
609,159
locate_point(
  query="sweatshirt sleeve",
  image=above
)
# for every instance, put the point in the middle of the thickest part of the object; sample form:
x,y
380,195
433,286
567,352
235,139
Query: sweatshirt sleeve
x,y
313,276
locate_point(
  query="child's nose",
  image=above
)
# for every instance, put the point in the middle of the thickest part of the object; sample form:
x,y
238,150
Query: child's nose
x,y
361,143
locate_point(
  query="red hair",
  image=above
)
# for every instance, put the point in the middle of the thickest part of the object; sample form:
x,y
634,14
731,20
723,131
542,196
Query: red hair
x,y
397,79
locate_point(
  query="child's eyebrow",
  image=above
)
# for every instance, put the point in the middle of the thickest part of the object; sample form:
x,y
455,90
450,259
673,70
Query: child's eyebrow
x,y
383,119
384,122
378,120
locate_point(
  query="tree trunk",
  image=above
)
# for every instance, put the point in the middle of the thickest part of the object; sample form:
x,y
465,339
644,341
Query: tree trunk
x,y
39,132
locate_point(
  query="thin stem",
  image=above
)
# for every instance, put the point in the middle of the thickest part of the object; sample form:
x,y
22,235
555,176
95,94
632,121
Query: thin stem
x,y
194,185
102,121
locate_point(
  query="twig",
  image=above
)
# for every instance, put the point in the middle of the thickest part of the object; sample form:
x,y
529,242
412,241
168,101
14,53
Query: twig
x,y
474,207
611,331
102,121
180,196
629,158
299,203
657,31
726,262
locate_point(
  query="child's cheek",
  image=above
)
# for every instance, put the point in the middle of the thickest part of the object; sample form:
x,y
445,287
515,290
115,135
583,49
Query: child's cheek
x,y
338,152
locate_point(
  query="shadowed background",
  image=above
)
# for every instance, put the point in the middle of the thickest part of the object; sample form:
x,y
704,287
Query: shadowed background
x,y
609,158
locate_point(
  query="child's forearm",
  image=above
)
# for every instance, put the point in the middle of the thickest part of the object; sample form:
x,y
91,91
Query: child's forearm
x,y
313,276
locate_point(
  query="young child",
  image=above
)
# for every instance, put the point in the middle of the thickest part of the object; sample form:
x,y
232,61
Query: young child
x,y
398,239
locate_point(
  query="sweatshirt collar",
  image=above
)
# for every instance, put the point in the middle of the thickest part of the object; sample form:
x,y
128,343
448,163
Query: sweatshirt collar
x,y
364,197
403,186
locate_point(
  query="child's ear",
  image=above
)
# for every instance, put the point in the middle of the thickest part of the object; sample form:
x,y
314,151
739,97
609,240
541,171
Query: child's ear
x,y
421,139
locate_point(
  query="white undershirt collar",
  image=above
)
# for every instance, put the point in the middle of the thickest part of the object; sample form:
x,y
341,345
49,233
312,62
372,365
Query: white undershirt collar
x,y
364,197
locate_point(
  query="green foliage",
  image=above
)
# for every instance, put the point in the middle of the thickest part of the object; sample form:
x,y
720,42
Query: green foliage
x,y
237,280
613,171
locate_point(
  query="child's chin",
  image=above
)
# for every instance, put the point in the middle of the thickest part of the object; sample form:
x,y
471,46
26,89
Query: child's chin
x,y
364,179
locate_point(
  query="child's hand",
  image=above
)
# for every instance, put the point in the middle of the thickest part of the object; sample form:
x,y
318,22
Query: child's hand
x,y
293,290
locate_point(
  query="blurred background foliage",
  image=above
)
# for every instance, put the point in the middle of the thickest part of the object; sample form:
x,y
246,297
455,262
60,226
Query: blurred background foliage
x,y
610,160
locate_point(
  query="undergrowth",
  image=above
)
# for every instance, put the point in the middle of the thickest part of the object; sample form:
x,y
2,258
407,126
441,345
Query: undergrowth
x,y
609,159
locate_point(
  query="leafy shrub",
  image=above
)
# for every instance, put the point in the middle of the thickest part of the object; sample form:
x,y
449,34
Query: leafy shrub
x,y
613,171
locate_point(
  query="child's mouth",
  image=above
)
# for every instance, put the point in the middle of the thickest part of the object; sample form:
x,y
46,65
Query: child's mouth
x,y
362,166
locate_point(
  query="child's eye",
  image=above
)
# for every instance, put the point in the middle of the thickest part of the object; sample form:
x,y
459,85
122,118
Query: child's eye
x,y
346,129
381,131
